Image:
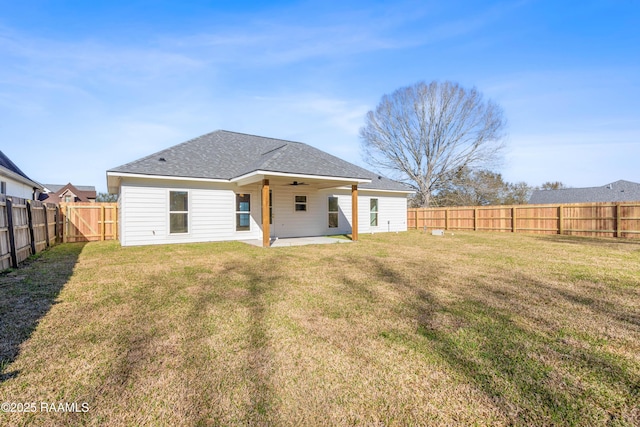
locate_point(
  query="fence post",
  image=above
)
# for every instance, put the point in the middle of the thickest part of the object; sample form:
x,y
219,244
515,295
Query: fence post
x,y
513,219
475,219
65,225
59,230
102,225
56,225
560,220
446,219
32,236
115,222
12,238
618,220
46,223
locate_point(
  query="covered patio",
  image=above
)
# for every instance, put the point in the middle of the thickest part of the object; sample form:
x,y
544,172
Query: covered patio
x,y
270,181
299,241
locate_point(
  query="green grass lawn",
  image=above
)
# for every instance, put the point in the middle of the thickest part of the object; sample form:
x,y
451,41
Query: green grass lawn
x,y
396,329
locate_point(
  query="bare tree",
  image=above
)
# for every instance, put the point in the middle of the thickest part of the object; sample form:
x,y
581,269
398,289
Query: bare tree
x,y
555,185
518,193
426,133
481,187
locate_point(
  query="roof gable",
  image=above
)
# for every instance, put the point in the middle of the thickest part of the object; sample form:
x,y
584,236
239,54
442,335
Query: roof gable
x,y
227,155
54,188
84,193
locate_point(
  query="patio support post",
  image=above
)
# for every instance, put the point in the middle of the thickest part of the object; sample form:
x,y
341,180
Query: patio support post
x,y
266,232
354,212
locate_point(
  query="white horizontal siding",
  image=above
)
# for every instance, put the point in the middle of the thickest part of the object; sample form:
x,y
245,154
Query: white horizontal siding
x,y
17,189
392,212
287,222
344,214
143,215
144,211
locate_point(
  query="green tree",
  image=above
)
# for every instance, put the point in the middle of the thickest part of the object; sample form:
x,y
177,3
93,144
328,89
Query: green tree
x,y
106,197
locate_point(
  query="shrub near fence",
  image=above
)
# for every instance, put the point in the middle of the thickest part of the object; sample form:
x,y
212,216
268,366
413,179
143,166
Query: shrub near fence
x,y
29,226
582,219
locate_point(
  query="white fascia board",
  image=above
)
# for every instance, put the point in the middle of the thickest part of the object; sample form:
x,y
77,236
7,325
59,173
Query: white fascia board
x,y
17,177
166,177
260,174
113,177
380,191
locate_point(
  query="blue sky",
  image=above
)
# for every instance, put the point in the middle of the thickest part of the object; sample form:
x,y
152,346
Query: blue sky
x,y
87,86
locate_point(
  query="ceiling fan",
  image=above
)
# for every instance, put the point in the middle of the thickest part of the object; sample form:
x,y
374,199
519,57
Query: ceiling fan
x,y
298,183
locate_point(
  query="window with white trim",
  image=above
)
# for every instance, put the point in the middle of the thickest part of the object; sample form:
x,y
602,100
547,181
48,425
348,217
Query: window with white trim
x,y
333,212
300,203
243,212
178,212
3,187
373,212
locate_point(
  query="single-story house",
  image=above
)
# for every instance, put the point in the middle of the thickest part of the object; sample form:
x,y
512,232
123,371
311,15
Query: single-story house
x,y
14,182
55,193
619,191
233,186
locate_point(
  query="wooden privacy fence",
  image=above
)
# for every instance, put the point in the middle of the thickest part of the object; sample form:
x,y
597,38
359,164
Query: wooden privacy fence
x,y
28,226
88,222
581,219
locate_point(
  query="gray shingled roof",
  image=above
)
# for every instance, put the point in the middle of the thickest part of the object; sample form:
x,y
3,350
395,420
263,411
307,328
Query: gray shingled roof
x,y
619,191
57,187
227,155
6,163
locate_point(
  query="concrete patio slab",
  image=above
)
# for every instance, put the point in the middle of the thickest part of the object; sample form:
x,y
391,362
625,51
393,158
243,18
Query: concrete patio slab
x,y
298,241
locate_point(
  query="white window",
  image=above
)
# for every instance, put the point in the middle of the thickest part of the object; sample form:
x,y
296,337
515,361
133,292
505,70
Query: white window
x,y
178,212
243,212
373,212
300,203
333,212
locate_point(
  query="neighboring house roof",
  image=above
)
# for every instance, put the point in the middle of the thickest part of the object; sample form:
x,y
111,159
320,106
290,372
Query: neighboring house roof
x,y
619,191
10,169
80,193
54,188
227,155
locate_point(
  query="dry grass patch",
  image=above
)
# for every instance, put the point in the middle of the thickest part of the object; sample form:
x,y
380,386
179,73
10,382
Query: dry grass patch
x,y
398,329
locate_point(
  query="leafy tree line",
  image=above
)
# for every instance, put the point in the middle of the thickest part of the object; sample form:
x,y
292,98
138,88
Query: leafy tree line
x,y
106,197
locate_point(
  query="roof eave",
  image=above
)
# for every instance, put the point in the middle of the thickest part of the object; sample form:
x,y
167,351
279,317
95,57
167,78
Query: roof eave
x,y
259,175
379,190
15,176
114,178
